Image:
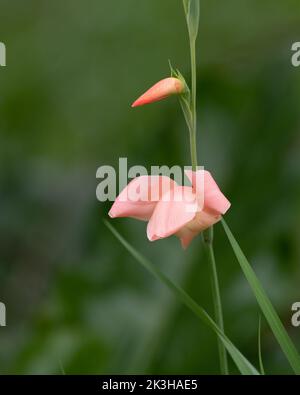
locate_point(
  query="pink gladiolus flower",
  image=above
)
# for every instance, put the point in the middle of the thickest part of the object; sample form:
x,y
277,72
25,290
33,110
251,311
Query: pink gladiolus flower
x,y
161,90
171,209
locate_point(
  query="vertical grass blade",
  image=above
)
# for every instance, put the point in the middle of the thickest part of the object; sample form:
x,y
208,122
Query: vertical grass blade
x,y
265,304
192,12
208,237
244,366
261,365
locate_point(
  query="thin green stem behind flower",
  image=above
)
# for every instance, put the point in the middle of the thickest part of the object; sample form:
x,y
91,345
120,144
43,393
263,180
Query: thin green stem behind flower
x,y
193,131
193,148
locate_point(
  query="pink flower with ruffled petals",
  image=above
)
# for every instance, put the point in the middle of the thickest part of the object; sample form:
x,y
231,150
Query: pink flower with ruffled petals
x,y
171,209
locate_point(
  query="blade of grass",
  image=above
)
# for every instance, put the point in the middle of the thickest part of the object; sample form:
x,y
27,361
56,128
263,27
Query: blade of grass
x,y
261,365
244,366
61,368
265,304
208,241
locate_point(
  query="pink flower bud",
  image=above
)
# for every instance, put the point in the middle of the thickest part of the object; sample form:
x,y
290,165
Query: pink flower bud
x,y
161,90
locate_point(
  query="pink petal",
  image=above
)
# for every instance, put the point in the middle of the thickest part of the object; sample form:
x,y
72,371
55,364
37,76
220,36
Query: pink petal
x,y
139,198
170,215
159,91
202,220
214,199
186,236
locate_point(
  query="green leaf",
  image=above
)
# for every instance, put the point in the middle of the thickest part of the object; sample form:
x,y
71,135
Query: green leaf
x,y
265,304
186,4
261,365
244,366
192,12
184,98
185,106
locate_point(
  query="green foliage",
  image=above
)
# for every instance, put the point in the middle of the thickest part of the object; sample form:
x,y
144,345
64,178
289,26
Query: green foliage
x,y
260,358
241,362
184,98
265,304
192,12
74,298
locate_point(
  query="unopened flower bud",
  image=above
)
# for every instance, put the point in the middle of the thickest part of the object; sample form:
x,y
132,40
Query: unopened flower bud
x,y
161,90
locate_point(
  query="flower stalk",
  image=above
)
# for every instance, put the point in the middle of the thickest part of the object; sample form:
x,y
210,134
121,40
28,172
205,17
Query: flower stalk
x,y
192,10
193,129
208,236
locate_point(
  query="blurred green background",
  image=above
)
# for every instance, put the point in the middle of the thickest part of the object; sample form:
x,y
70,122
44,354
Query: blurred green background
x,y
76,301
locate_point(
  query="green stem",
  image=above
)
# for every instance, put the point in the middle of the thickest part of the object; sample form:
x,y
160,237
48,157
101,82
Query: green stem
x,y
208,237
193,129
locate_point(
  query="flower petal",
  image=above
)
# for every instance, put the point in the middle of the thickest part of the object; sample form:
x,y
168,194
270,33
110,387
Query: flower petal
x,y
161,90
170,215
202,220
214,199
139,198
